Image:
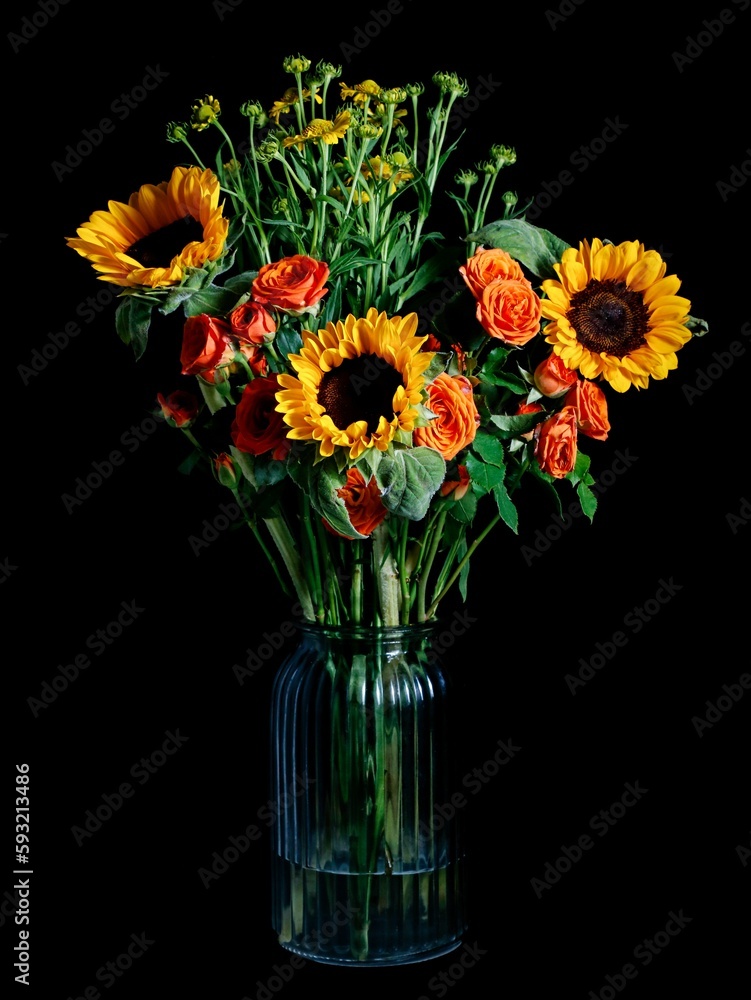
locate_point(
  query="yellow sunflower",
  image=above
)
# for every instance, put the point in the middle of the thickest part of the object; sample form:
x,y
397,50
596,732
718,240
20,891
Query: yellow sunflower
x,y
163,230
360,382
615,314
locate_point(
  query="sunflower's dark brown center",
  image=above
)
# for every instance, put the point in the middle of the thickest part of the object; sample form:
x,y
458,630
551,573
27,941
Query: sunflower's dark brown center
x,y
360,388
610,317
158,248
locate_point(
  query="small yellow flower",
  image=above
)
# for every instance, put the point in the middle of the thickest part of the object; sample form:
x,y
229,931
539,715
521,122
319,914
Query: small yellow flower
x,y
289,99
396,169
361,92
205,110
321,128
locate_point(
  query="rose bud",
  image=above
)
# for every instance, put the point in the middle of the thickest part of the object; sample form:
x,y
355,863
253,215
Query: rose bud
x,y
206,345
179,409
552,378
224,470
456,488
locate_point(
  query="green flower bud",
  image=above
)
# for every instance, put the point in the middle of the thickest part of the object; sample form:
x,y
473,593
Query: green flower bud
x,y
177,132
328,71
267,150
489,167
451,83
393,95
205,110
254,109
504,156
415,89
296,64
510,198
466,177
367,130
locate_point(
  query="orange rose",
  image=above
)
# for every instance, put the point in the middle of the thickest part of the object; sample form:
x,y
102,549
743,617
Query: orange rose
x,y
489,265
552,378
555,448
591,407
206,345
509,309
293,284
363,503
456,418
252,323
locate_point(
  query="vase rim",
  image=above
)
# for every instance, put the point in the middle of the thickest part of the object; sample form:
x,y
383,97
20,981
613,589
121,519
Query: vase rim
x,y
347,629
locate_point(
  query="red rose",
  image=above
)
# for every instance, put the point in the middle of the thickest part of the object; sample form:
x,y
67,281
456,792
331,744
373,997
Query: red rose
x,y
293,284
207,344
591,407
179,409
258,428
252,323
555,448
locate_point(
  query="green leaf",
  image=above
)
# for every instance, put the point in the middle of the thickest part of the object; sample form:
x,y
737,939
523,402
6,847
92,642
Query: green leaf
x,y
408,478
698,327
517,424
429,272
506,507
537,249
464,510
484,477
132,322
489,448
214,399
587,499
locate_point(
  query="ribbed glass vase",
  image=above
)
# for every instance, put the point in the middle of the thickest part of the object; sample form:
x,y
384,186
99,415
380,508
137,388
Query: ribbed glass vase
x,y
362,752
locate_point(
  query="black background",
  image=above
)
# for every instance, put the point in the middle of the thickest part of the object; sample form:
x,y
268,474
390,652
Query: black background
x,y
674,515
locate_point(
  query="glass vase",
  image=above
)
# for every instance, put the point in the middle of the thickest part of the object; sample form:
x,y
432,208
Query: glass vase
x,y
364,871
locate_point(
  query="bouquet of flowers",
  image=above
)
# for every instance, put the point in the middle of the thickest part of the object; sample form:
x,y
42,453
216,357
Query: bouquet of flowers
x,y
372,393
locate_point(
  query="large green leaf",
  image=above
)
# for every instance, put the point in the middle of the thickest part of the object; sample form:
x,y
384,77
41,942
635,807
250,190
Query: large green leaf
x,y
132,322
408,478
537,249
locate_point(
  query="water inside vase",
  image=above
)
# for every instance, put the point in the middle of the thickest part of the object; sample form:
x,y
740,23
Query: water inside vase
x,y
412,917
